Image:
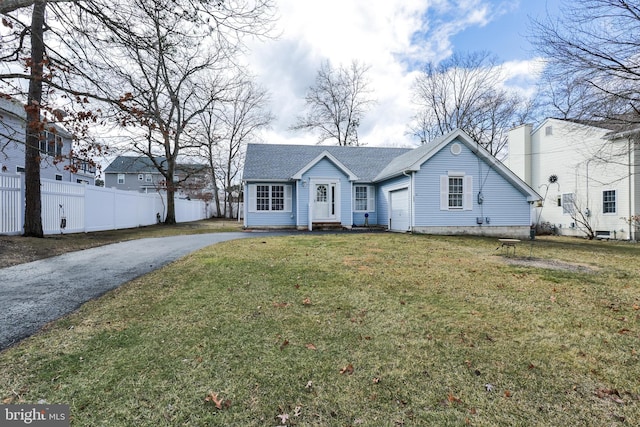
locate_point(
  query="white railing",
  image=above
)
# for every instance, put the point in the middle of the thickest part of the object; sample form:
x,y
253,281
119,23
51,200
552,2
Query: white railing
x,y
85,208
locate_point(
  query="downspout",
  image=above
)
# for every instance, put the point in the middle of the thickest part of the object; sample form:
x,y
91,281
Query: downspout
x,y
410,199
588,182
631,231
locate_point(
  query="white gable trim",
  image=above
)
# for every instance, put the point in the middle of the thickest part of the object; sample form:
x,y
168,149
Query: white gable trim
x,y
327,155
481,152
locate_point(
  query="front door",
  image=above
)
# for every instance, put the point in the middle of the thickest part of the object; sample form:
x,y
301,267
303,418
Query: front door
x,y
324,206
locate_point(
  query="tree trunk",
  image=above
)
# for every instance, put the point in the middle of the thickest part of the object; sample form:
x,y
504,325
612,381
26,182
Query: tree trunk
x,y
214,182
171,205
33,202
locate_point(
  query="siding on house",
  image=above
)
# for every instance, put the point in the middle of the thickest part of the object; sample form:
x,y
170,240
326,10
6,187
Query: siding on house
x,y
12,137
383,197
283,219
502,203
585,161
325,169
413,179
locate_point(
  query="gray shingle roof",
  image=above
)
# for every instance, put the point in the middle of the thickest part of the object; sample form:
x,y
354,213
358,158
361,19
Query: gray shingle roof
x,y
280,162
407,160
132,164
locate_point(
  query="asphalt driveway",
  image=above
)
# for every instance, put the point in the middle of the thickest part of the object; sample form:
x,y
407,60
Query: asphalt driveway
x,y
33,294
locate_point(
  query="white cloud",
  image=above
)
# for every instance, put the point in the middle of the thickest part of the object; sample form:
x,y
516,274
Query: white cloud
x,y
392,36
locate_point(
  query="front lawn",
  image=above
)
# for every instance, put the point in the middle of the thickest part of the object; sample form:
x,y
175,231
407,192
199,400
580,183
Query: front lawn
x,y
352,330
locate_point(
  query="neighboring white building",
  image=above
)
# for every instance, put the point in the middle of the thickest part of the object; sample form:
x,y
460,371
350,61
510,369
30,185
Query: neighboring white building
x,y
54,144
587,175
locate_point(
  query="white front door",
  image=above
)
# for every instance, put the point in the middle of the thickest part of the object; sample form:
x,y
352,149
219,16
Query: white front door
x,y
324,202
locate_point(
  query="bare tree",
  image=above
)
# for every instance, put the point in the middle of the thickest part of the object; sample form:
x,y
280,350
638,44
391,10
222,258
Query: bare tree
x,y
465,92
211,134
24,37
229,127
92,41
336,103
595,43
7,6
580,215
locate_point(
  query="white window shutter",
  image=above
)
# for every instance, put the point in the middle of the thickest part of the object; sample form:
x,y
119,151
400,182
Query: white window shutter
x,y
371,199
468,193
444,192
252,198
288,191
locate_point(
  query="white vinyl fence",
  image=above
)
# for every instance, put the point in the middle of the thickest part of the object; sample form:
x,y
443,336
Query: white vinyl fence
x,y
84,208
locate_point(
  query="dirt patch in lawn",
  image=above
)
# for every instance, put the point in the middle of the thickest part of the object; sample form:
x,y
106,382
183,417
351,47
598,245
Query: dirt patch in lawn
x,y
551,264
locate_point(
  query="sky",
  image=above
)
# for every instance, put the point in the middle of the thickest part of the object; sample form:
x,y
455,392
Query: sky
x,y
393,37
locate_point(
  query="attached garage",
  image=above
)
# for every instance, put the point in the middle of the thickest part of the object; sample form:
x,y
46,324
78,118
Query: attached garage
x,y
399,218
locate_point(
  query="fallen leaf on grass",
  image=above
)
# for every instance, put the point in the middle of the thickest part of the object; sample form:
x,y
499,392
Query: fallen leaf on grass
x,y
507,393
347,369
283,418
612,394
453,399
218,401
280,304
284,344
306,301
310,346
376,380
636,307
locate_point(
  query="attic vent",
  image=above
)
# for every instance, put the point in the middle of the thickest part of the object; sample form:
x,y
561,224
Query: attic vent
x,y
548,130
456,149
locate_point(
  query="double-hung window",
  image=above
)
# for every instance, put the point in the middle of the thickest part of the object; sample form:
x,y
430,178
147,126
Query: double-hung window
x,y
456,191
52,144
270,198
364,198
609,201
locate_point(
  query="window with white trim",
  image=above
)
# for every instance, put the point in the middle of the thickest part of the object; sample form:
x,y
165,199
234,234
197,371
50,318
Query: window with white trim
x,y
456,191
609,201
147,177
364,198
51,144
270,198
140,177
120,178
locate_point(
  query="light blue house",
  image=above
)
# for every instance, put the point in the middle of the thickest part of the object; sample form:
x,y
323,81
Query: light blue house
x,y
449,186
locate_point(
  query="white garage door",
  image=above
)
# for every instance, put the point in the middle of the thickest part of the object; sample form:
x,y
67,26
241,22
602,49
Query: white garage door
x,y
399,201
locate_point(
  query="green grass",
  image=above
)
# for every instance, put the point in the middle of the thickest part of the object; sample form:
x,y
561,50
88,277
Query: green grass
x,y
273,325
